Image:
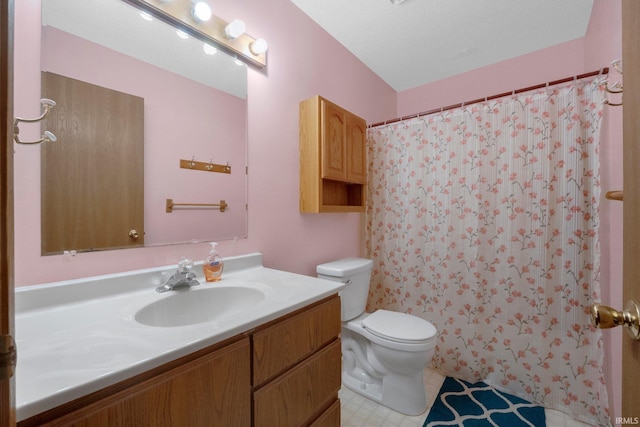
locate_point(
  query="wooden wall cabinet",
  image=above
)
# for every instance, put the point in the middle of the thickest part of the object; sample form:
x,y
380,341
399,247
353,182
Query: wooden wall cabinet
x,y
333,165
284,373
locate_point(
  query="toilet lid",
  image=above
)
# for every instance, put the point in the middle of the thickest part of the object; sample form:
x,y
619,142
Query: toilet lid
x,y
400,327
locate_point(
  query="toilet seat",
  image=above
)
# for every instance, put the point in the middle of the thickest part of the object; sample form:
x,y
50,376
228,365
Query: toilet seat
x,y
399,327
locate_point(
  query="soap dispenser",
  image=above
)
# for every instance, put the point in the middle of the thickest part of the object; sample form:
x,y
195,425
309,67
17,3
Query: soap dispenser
x,y
213,265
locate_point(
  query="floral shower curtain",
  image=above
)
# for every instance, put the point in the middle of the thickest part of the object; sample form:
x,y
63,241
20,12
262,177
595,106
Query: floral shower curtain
x,y
483,220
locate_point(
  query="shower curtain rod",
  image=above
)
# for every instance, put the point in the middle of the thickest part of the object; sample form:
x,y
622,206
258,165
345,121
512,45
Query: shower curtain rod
x,y
500,95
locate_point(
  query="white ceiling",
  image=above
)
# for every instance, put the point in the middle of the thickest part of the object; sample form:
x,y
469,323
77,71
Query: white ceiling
x,y
415,42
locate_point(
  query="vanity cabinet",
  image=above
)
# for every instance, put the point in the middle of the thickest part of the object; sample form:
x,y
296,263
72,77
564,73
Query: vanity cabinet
x,y
212,389
333,165
284,373
297,368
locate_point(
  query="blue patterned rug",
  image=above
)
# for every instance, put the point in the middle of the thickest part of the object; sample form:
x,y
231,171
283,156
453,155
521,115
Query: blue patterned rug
x,y
460,403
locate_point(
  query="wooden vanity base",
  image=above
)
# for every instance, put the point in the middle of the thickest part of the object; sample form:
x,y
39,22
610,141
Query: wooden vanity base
x,y
284,373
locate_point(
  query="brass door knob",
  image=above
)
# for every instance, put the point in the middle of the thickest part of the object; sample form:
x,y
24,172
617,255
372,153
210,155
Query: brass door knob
x,y
604,317
134,234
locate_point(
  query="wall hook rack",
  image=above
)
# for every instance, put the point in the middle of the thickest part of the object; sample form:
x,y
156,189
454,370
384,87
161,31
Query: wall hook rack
x,y
615,88
617,65
47,136
205,166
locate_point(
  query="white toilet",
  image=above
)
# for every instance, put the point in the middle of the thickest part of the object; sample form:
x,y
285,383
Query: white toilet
x,y
383,353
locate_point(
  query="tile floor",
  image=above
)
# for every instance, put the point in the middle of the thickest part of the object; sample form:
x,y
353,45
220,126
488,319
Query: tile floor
x,y
357,411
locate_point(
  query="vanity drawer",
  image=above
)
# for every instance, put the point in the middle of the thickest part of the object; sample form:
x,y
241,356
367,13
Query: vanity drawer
x,y
296,397
278,347
330,417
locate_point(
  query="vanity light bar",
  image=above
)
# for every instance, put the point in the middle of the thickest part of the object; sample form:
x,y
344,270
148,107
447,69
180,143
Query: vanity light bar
x,y
178,13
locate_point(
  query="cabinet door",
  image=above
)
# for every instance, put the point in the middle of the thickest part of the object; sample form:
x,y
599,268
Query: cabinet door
x,y
334,142
356,150
213,390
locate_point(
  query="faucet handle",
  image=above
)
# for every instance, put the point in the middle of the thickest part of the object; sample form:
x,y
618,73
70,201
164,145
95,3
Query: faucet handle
x,y
185,265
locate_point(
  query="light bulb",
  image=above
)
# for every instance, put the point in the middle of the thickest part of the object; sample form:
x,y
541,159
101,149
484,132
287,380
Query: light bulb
x,y
235,29
259,46
202,11
208,49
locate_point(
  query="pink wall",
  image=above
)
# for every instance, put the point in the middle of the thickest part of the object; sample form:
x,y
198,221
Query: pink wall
x,y
602,45
303,61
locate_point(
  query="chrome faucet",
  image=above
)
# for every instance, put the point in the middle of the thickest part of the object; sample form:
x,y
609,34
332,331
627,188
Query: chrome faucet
x,y
181,279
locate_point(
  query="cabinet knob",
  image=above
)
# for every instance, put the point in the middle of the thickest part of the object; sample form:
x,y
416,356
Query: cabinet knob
x,y
134,234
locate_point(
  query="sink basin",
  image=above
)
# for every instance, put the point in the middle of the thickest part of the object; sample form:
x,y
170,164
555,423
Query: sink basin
x,y
198,305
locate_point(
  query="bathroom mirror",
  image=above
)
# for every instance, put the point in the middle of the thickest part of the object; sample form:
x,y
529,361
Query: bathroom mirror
x,y
194,112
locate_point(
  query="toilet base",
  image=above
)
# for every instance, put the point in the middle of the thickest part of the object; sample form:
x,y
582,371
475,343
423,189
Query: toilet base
x,y
371,391
404,394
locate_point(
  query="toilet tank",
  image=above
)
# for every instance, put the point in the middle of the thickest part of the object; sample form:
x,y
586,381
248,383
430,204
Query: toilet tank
x,y
356,273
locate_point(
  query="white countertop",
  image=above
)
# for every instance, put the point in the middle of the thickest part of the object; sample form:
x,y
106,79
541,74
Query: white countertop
x,y
77,337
